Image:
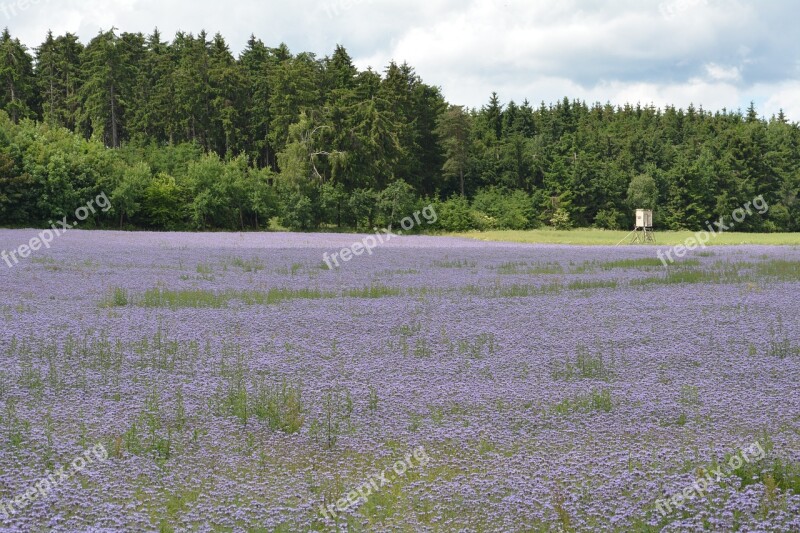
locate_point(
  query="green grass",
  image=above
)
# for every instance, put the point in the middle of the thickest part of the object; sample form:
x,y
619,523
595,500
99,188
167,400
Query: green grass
x,y
535,269
159,297
584,366
728,274
205,269
455,264
639,263
521,291
644,264
780,344
524,291
599,237
197,298
119,298
373,291
581,285
175,299
780,269
248,265
596,400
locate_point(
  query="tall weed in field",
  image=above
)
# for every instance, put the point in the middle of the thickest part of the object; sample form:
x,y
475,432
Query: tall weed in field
x,y
337,409
280,405
584,365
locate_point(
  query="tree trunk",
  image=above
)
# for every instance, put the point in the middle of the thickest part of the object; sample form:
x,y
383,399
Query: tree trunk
x,y
114,136
14,116
52,100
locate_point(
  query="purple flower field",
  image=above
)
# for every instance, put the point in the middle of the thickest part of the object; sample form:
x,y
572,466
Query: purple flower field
x,y
238,384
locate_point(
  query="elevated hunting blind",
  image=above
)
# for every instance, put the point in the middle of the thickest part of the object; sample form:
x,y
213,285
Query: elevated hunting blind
x,y
643,231
644,218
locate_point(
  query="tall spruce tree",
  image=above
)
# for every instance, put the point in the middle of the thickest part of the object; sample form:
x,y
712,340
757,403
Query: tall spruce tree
x,y
109,64
16,78
454,130
152,115
257,62
58,70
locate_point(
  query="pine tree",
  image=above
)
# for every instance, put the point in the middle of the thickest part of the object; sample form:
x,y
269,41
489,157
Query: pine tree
x,y
48,79
58,71
295,86
494,116
455,133
340,73
153,114
228,84
192,88
16,78
400,88
429,104
109,64
257,62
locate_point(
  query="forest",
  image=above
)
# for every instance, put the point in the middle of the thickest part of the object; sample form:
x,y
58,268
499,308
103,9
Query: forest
x,y
184,135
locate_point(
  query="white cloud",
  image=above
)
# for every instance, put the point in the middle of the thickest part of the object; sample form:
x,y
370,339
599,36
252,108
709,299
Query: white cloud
x,y
714,53
720,73
783,96
616,51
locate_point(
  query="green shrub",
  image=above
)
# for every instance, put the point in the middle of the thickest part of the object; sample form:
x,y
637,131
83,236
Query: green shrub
x,y
396,202
520,213
298,213
608,219
362,207
561,220
455,215
504,209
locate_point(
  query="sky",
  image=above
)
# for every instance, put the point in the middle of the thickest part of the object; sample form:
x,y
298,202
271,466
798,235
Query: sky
x,y
711,53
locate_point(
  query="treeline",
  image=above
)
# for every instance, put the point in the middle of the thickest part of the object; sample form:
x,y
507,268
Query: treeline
x,y
183,135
